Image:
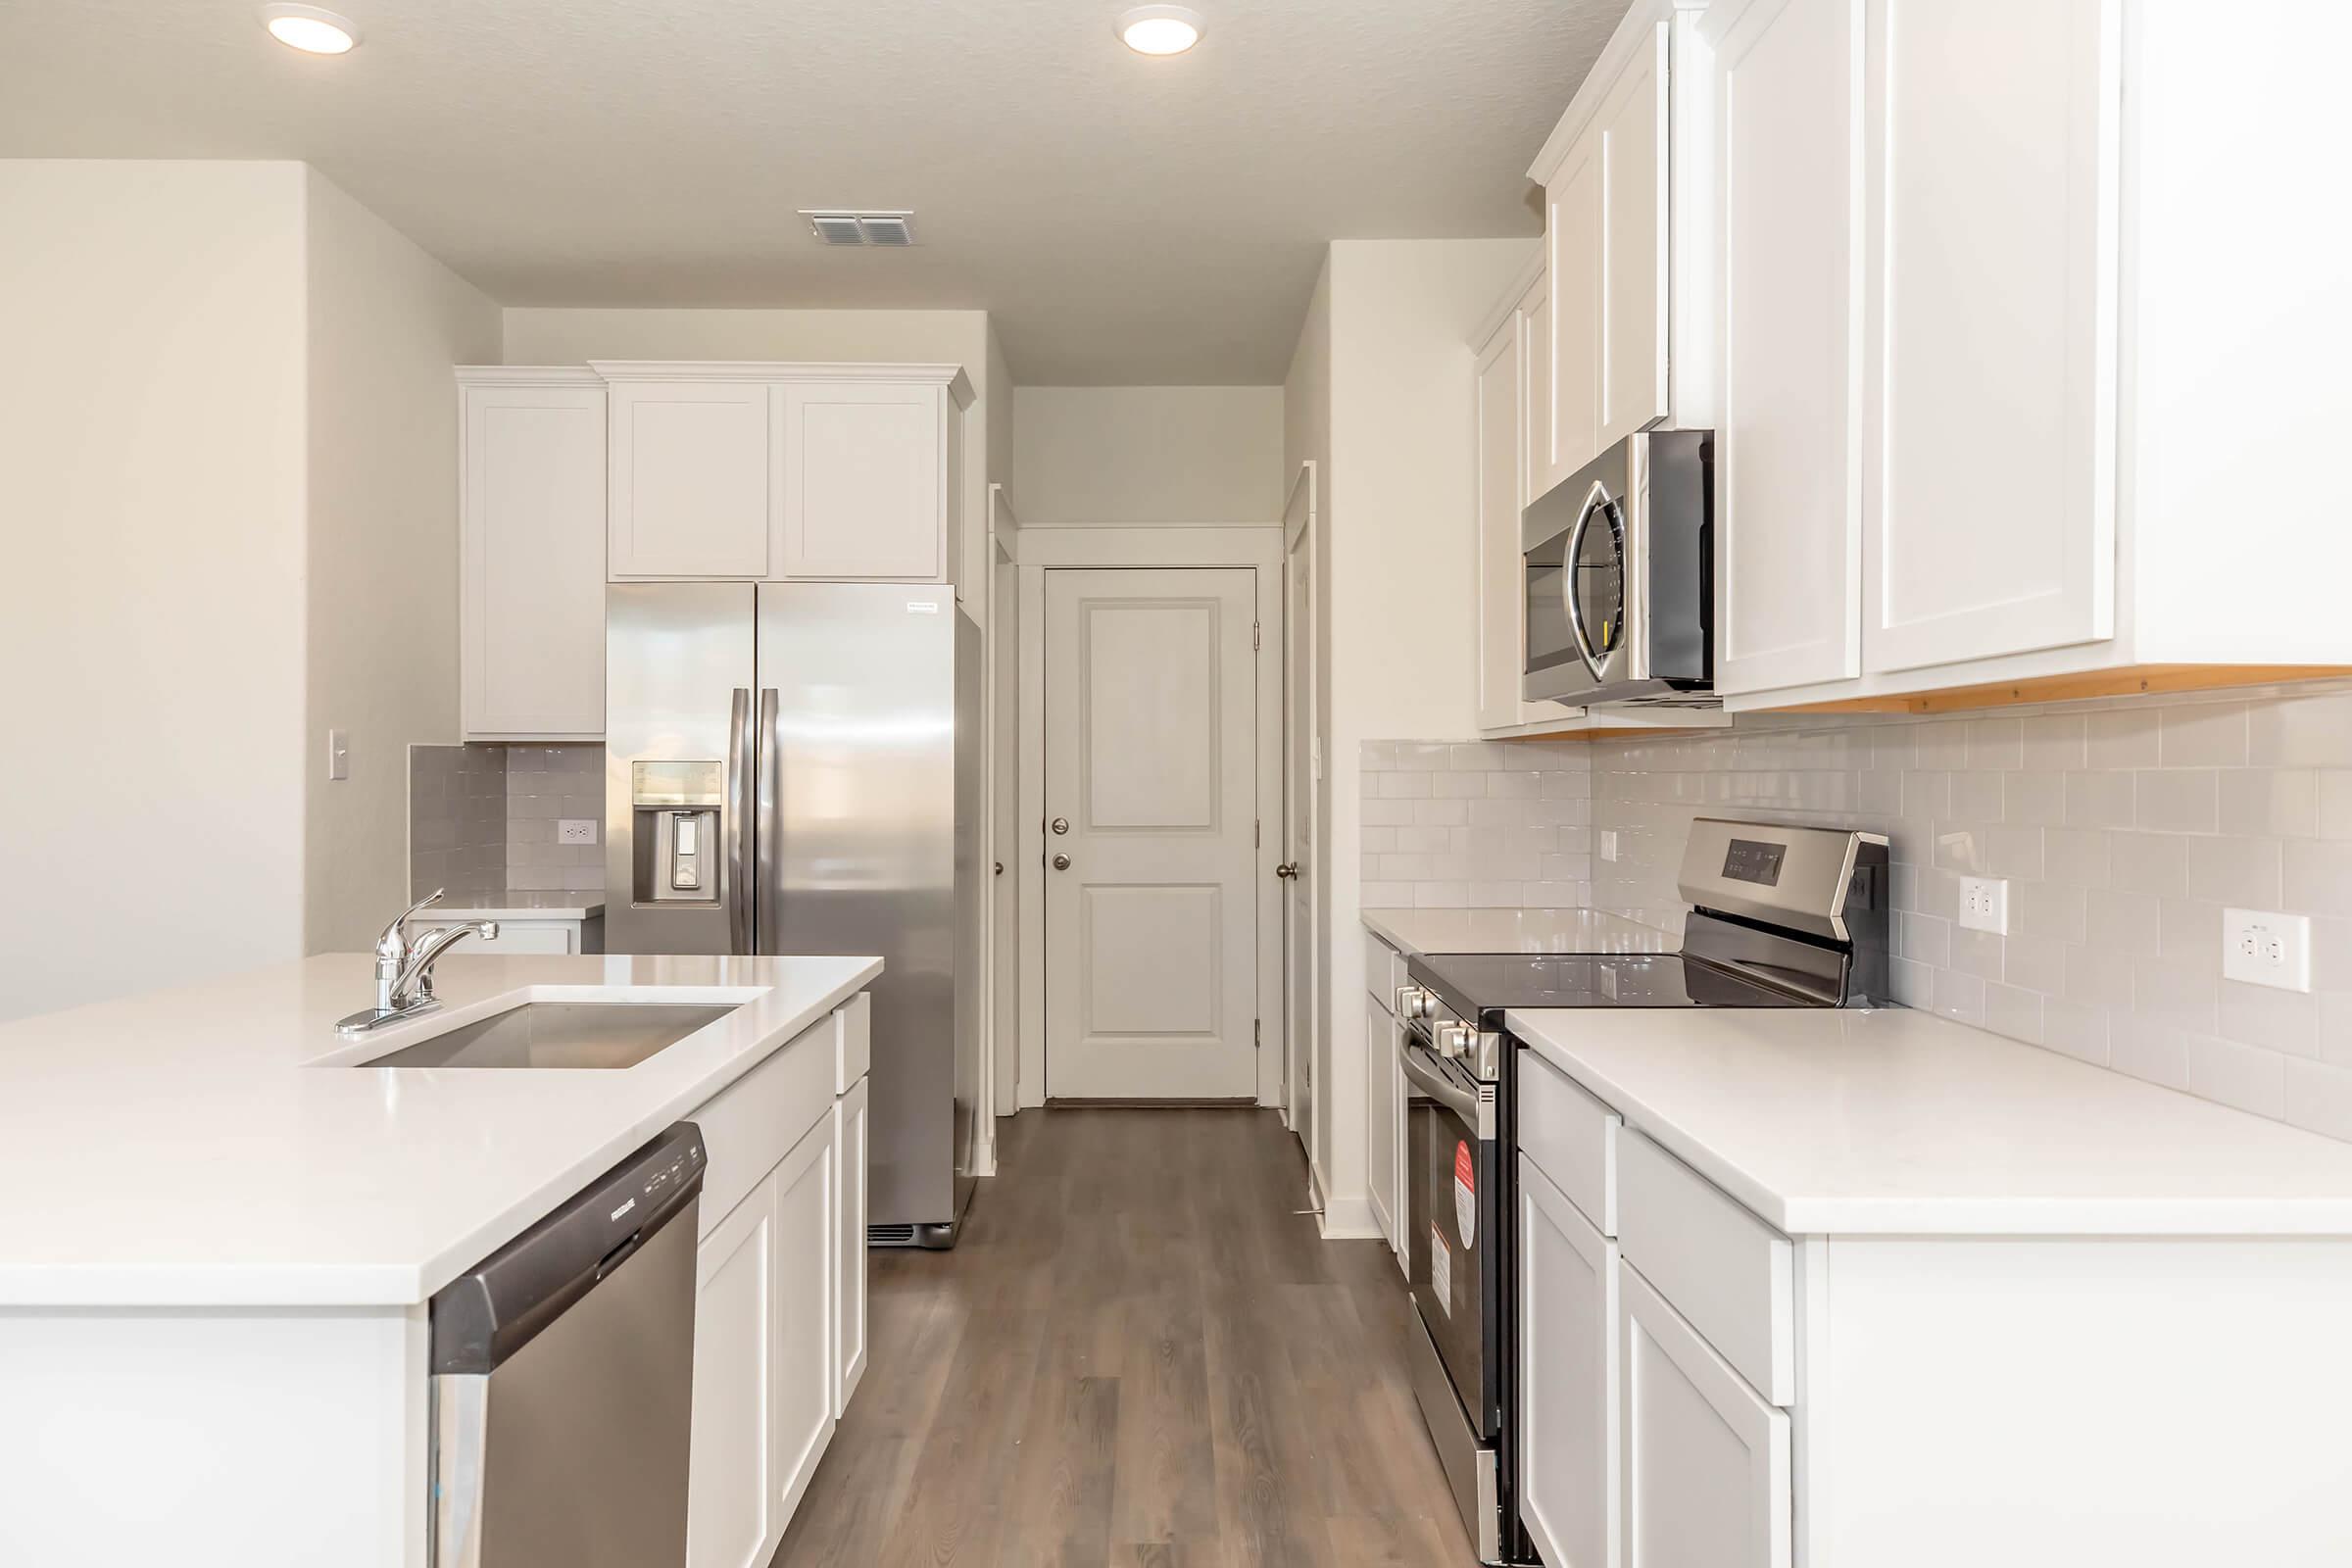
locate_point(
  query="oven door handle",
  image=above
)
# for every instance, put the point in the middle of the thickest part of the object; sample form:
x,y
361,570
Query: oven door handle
x,y
1439,1088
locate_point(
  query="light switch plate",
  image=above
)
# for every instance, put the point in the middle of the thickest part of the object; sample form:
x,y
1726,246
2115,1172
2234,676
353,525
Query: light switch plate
x,y
576,830
1985,904
338,755
2266,949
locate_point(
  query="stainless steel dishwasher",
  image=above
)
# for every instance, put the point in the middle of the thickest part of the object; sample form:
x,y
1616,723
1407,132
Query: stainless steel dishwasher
x,y
563,1378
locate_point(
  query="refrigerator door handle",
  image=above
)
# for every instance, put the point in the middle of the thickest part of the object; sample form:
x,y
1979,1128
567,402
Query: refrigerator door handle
x,y
770,834
739,768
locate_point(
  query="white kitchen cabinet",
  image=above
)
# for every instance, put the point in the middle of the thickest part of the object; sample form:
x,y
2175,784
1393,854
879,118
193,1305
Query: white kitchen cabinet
x,y
1634,244
1705,1473
804,1369
1788,435
850,1148
1575,273
861,471
730,1513
531,554
1930,493
1569,1452
1989,491
690,479
1382,1113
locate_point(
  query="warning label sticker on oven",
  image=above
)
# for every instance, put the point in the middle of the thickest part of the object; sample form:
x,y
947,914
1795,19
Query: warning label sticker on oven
x,y
1465,1193
1441,1270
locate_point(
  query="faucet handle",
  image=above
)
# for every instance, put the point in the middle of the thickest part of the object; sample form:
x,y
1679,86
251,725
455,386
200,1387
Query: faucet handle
x,y
393,943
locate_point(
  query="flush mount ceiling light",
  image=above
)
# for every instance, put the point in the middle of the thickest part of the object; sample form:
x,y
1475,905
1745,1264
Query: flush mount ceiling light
x,y
1159,30
310,29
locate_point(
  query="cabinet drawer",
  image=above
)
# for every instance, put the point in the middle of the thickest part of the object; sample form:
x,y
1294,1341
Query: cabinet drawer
x,y
853,1041
1727,1271
1384,971
756,1121
1571,1137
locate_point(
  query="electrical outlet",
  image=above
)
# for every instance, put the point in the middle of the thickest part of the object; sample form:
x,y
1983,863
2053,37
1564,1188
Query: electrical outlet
x,y
576,830
1608,844
1985,904
2264,949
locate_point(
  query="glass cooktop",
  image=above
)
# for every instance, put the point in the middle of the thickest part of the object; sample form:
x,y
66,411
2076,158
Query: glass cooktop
x,y
1484,982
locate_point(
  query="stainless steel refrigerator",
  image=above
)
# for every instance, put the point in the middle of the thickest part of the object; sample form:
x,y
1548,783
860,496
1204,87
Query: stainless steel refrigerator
x,y
795,768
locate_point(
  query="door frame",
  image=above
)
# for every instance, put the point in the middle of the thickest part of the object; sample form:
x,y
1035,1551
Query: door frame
x,y
1258,546
996,1055
1300,533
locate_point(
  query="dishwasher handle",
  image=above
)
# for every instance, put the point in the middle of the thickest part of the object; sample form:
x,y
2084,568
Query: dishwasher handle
x,y
495,1309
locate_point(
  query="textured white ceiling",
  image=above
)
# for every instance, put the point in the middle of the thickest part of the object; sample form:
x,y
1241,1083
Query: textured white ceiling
x,y
1127,219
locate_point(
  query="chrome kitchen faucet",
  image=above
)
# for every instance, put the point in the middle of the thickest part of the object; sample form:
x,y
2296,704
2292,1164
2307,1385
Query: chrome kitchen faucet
x,y
404,969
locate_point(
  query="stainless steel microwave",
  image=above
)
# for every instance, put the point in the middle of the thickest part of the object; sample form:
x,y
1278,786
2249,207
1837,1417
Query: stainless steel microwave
x,y
1619,577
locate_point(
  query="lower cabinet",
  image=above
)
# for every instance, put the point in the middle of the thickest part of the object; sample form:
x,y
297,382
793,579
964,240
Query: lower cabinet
x,y
780,1301
1568,1361
850,1128
1380,1063
1706,1479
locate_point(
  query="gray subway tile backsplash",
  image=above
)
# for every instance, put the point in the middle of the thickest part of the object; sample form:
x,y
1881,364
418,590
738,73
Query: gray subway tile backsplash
x,y
483,820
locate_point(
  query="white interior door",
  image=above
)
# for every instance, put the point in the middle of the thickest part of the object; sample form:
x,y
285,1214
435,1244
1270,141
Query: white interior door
x,y
1300,989
1151,767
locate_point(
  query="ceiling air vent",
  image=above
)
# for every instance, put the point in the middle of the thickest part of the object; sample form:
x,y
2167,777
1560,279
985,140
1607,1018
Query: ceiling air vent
x,y
861,228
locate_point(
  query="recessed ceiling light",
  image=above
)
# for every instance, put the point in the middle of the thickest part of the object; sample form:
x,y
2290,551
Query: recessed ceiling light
x,y
1159,30
310,29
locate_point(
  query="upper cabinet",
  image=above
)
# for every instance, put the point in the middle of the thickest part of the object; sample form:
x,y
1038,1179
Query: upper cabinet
x,y
1979,406
816,473
531,554
690,479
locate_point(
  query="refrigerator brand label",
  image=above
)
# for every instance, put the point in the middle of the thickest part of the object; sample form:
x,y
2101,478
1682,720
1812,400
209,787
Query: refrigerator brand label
x,y
1465,1193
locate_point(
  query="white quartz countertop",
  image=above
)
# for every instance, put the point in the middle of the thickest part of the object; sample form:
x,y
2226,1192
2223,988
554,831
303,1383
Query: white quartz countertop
x,y
1895,1121
1506,930
513,904
192,1147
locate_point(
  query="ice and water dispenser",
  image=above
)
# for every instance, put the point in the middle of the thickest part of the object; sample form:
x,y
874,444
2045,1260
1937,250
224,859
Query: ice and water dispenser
x,y
676,830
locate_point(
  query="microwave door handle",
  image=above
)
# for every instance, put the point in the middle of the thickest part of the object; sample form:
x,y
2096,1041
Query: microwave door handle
x,y
736,873
769,834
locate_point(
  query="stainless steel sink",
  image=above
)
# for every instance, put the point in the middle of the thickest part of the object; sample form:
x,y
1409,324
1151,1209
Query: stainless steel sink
x,y
561,1034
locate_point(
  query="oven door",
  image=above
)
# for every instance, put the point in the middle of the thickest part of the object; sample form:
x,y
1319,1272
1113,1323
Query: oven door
x,y
1454,1221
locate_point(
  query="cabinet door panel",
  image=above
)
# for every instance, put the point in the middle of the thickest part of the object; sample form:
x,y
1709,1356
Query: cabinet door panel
x,y
1568,1358
860,470
532,579
1991,492
804,1364
848,1291
1502,650
1535,392
730,1517
1788,447
1706,1464
1573,264
1380,1062
1634,244
689,476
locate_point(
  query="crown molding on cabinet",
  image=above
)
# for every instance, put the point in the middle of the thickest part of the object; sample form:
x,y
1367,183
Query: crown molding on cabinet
x,y
950,376
527,375
1631,37
1507,305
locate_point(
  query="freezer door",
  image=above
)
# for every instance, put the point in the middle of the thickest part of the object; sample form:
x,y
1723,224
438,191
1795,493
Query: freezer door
x,y
679,672
857,786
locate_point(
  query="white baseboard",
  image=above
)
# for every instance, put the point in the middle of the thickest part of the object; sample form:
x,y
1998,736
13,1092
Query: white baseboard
x,y
1350,1219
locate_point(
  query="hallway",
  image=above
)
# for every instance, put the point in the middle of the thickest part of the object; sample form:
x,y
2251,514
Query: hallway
x,y
1138,1355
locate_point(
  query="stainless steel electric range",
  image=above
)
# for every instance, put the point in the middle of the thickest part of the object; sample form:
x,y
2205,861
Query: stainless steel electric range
x,y
1781,917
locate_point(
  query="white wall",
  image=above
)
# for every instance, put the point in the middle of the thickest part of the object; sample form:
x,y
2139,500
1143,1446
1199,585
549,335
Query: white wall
x,y
386,322
151,610
1149,454
568,336
1398,552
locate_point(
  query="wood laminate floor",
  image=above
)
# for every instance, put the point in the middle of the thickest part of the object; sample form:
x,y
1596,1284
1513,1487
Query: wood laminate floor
x,y
1137,1357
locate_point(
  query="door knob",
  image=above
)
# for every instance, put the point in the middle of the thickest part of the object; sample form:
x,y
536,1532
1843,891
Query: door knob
x,y
1061,824
1286,869
1000,868
1061,862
